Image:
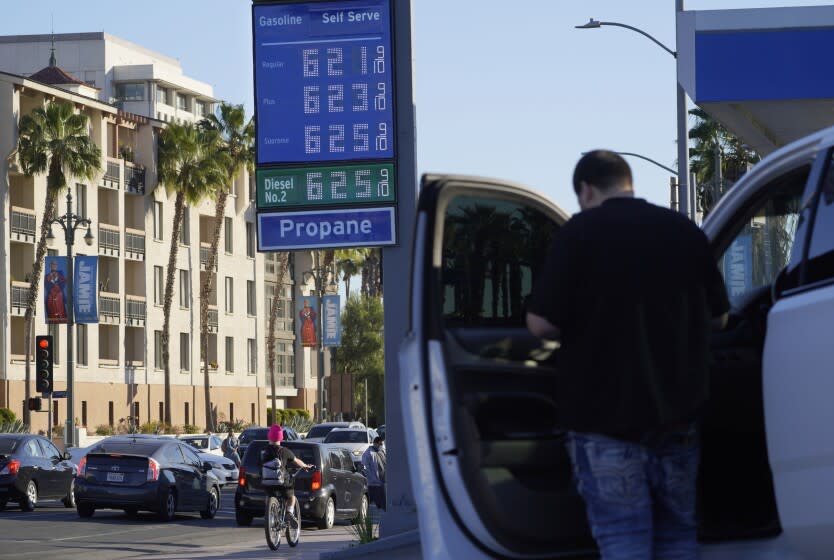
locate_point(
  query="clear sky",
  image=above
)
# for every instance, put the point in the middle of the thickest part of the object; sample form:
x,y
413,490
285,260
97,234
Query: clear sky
x,y
503,89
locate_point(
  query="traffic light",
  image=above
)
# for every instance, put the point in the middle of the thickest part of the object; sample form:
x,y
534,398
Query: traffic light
x,y
45,358
34,403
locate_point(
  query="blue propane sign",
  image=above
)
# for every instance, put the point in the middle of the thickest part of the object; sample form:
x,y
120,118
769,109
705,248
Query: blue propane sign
x,y
349,227
323,81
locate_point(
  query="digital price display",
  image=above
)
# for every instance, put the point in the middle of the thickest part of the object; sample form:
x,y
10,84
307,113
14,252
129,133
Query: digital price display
x,y
313,186
323,81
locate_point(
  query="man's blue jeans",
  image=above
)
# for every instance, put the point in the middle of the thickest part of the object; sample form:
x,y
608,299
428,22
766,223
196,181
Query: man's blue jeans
x,y
640,497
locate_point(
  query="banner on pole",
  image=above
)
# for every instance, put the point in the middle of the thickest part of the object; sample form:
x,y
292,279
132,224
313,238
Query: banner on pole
x,y
308,325
85,290
331,321
55,290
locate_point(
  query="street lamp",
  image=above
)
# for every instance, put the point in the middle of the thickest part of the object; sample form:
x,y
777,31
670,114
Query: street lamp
x,y
645,158
70,222
319,273
683,140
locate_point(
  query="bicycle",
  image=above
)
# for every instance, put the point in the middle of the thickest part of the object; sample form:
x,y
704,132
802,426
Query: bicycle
x,y
275,518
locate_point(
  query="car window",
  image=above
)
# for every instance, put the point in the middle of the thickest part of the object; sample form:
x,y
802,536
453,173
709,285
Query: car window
x,y
319,431
33,449
820,265
7,446
491,252
196,443
190,456
336,460
50,451
762,244
304,453
347,460
253,435
215,442
346,436
170,454
251,458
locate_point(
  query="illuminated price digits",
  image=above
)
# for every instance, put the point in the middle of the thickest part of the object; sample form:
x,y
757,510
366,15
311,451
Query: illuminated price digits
x,y
335,58
382,138
339,181
360,138
360,97
360,60
336,98
312,102
312,139
382,186
379,61
379,100
337,138
310,59
315,188
363,182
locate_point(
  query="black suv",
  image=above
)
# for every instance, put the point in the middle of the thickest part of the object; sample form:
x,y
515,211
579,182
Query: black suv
x,y
334,491
254,433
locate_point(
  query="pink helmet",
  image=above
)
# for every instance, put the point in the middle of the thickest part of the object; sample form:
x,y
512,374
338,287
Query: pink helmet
x,y
276,434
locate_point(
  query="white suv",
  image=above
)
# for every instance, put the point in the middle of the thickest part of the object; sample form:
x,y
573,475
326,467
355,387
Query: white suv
x,y
485,446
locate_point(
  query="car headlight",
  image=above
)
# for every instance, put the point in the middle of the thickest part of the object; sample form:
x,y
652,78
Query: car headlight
x,y
357,452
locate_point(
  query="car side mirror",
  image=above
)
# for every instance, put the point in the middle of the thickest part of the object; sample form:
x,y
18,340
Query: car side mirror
x,y
66,456
206,467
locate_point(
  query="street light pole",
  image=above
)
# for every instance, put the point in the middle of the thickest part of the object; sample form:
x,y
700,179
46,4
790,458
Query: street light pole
x,y
682,129
69,223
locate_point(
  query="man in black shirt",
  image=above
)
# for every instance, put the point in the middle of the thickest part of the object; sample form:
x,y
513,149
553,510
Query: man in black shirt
x,y
632,291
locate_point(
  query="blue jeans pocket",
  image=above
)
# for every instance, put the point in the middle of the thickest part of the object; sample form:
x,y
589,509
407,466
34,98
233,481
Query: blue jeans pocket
x,y
615,471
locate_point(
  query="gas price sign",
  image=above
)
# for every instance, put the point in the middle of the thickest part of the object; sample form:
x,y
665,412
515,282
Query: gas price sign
x,y
323,81
313,186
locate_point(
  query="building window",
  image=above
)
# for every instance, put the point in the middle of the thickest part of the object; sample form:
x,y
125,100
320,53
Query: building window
x,y
187,413
250,298
81,345
284,358
230,294
157,220
157,349
230,354
54,331
185,227
81,200
250,240
163,96
83,413
251,356
136,413
130,92
182,102
227,228
185,362
231,412
284,316
111,416
55,414
200,111
252,408
158,285
161,411
185,293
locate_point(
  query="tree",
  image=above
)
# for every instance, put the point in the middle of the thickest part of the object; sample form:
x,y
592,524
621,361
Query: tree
x,y
362,351
712,142
52,139
348,262
283,259
236,139
191,167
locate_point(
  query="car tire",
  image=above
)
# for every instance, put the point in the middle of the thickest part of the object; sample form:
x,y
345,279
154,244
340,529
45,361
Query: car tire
x,y
85,510
3,504
30,497
329,517
213,504
363,510
242,518
69,499
167,505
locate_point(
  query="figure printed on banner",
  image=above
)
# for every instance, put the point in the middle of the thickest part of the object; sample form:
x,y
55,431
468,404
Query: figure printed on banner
x,y
55,290
308,317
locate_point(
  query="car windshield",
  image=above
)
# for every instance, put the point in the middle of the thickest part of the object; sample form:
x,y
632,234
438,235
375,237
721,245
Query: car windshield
x,y
7,446
252,435
197,443
305,453
346,436
319,431
128,447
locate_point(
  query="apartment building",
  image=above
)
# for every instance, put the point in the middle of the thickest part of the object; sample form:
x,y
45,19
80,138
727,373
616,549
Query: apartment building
x,y
118,362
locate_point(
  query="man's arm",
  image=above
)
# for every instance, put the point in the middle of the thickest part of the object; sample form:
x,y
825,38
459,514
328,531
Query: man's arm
x,y
541,327
301,464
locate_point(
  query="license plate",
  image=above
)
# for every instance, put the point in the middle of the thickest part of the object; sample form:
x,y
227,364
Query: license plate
x,y
115,477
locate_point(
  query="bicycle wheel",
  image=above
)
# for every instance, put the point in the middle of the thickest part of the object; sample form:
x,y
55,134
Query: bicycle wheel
x,y
294,525
272,523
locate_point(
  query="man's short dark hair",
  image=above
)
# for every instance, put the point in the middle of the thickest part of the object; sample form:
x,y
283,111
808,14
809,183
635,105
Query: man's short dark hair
x,y
603,169
378,440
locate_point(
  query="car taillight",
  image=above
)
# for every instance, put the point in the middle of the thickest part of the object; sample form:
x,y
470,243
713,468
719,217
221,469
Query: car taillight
x,y
82,467
316,485
11,468
241,481
153,470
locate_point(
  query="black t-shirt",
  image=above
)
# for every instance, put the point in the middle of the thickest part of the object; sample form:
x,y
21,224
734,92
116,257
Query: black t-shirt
x,y
633,288
286,456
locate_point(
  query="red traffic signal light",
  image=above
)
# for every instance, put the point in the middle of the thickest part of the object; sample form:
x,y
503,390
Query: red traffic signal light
x,y
45,361
43,343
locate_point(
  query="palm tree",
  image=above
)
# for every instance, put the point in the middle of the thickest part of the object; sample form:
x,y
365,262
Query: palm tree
x,y
713,142
52,139
191,167
348,262
236,135
280,271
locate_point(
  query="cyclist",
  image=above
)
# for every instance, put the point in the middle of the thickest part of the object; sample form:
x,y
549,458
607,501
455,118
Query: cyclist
x,y
287,457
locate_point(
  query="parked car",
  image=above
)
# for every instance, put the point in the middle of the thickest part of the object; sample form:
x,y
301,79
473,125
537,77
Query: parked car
x,y
225,470
767,466
251,434
355,440
158,474
31,468
334,490
320,431
204,443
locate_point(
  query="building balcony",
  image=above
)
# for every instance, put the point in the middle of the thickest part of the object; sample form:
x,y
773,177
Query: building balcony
x,y
23,224
205,248
284,380
112,178
135,311
134,244
109,308
20,295
213,319
109,240
134,179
